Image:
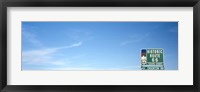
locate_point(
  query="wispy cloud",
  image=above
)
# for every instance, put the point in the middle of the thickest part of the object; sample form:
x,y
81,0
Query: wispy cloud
x,y
134,39
75,45
79,35
31,38
46,55
91,68
71,68
130,41
132,67
43,57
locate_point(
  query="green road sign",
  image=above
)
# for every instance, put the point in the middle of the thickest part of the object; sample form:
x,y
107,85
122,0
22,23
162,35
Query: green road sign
x,y
154,55
152,59
152,67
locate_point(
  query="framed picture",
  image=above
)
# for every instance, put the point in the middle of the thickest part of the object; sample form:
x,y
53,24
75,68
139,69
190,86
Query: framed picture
x,y
102,45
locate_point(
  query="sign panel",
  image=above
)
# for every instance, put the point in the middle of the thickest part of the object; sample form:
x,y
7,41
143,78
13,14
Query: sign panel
x,y
152,67
152,59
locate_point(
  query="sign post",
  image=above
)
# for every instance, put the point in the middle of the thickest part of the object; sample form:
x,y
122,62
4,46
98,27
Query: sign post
x,y
152,59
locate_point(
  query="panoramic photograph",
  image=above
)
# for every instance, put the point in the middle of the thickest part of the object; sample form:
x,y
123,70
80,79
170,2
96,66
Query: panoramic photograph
x,y
99,45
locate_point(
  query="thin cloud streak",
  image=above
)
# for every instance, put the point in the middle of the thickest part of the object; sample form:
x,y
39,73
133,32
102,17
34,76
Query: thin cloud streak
x,y
87,68
31,38
45,55
134,39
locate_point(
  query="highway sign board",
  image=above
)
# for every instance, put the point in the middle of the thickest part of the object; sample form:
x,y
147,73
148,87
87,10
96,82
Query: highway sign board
x,y
152,59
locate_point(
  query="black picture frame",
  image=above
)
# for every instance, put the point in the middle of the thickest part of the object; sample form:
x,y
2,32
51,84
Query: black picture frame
x,y
98,3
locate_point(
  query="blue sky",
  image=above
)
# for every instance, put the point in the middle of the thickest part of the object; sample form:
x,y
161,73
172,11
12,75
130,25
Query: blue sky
x,y
96,45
